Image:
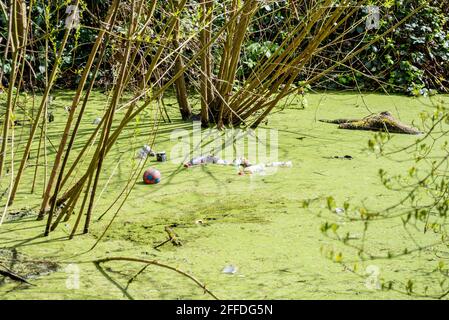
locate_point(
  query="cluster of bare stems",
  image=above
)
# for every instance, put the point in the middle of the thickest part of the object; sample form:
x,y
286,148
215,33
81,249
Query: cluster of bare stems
x,y
161,60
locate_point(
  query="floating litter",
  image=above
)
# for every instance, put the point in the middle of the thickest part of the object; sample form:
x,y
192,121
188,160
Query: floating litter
x,y
144,152
230,269
201,160
161,156
258,168
339,210
241,162
96,121
151,176
222,162
280,164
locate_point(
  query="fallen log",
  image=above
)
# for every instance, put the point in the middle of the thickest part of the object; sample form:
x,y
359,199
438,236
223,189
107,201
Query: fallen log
x,y
383,121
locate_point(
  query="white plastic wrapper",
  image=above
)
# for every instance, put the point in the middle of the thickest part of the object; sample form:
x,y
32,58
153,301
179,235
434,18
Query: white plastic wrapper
x,y
281,164
230,269
242,162
201,160
222,162
258,168
145,152
205,160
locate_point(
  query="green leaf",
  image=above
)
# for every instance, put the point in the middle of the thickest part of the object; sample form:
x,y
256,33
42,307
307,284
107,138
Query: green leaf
x,y
331,205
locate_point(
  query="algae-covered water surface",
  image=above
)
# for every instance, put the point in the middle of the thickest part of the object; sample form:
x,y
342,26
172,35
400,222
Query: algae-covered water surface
x,y
256,228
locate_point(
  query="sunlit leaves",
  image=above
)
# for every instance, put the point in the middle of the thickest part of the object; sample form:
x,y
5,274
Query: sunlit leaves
x,y
331,205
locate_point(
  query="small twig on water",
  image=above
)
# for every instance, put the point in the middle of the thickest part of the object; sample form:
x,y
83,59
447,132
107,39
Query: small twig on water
x,y
172,237
12,275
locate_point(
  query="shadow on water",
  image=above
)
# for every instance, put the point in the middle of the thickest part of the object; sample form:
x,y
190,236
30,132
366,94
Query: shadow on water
x,y
115,283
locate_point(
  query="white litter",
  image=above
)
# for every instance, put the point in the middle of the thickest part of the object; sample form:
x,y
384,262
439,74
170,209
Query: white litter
x,y
144,152
258,168
230,269
248,168
283,164
96,121
222,162
241,162
205,160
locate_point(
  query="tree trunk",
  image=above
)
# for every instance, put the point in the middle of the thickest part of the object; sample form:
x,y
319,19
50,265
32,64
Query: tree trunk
x,y
180,84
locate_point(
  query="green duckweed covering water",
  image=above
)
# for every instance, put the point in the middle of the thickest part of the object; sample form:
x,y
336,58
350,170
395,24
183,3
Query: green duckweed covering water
x,y
256,223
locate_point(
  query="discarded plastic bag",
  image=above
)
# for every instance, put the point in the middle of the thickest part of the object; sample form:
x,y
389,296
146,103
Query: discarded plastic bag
x,y
258,168
205,160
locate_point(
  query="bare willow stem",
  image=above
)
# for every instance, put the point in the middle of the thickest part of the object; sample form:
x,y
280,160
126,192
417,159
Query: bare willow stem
x,y
110,116
73,108
162,265
40,110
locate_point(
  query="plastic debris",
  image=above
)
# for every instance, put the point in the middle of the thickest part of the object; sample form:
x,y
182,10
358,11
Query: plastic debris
x,y
50,117
258,168
96,121
230,269
246,167
242,162
282,164
222,162
261,167
161,156
205,160
145,152
346,157
339,210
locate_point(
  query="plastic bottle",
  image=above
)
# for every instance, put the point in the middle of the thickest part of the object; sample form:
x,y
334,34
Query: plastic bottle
x,y
258,168
241,162
144,152
283,164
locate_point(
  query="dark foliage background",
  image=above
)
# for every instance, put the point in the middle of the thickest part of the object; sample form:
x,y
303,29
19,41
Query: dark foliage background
x,y
413,60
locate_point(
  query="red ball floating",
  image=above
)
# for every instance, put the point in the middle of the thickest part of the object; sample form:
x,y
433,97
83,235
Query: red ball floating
x,y
151,176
